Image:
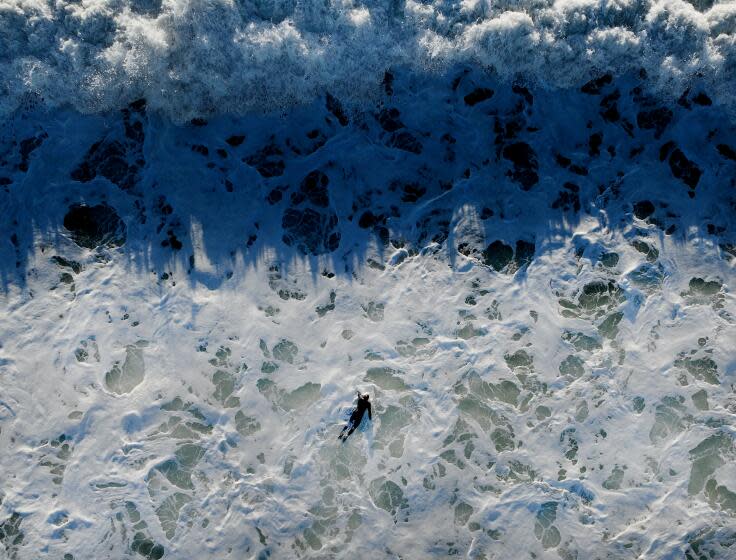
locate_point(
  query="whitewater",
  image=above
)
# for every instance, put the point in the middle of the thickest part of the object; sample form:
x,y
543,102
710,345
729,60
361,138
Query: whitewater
x,y
513,224
194,58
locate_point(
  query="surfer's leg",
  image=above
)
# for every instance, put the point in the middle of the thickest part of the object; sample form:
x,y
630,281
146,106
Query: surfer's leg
x,y
349,428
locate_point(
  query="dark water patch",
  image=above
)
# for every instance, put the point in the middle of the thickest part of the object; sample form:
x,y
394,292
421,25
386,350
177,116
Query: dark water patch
x,y
95,226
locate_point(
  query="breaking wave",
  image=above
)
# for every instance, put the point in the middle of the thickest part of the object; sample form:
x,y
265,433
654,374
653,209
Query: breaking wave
x,y
202,57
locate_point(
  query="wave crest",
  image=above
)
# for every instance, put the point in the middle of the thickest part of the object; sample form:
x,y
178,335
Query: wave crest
x,y
196,58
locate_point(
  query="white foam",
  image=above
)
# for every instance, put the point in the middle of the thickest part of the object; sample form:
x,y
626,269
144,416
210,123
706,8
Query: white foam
x,y
191,58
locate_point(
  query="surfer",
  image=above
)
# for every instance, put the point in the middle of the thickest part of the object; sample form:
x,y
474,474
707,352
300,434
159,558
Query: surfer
x,y
357,416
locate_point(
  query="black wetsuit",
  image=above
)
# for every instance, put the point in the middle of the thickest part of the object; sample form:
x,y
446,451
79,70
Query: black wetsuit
x,y
356,417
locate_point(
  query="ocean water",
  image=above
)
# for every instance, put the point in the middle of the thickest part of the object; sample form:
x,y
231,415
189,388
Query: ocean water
x,y
513,224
